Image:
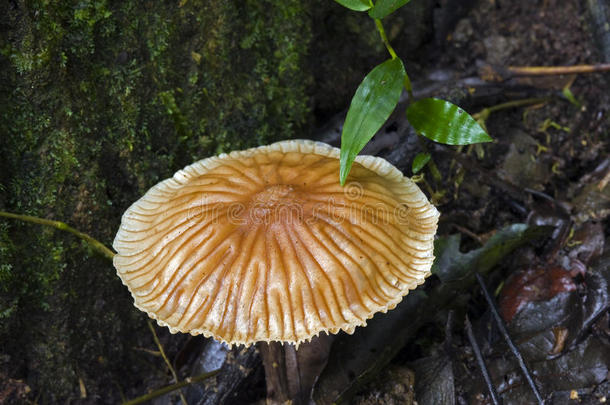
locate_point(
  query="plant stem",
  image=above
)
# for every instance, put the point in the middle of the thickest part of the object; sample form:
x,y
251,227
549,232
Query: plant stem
x,y
409,88
170,388
484,113
436,174
517,103
384,38
62,226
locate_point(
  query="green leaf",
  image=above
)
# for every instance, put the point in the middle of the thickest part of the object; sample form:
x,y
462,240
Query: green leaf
x,y
356,5
444,122
386,7
567,93
374,101
419,162
451,265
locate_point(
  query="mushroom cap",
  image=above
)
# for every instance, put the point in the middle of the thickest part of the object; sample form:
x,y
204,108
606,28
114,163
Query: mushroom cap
x,y
266,245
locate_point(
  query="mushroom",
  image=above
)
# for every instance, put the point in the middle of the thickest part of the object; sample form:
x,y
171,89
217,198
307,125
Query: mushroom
x,y
266,245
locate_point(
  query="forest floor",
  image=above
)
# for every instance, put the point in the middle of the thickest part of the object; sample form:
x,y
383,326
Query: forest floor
x,y
547,169
549,165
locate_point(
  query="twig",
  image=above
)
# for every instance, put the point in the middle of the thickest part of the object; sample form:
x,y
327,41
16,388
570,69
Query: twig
x,y
62,226
507,338
504,73
468,232
169,365
481,363
149,351
170,388
557,70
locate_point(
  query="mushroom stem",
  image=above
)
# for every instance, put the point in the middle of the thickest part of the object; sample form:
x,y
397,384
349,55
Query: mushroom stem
x,y
277,372
291,372
62,226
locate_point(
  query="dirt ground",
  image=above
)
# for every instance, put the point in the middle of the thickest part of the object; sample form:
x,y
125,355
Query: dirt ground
x,y
549,165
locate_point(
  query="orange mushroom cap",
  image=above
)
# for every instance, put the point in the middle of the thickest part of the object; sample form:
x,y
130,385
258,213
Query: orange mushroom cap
x,y
266,245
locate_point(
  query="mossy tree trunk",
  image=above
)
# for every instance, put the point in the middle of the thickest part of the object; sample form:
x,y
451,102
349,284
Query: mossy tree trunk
x,y
100,100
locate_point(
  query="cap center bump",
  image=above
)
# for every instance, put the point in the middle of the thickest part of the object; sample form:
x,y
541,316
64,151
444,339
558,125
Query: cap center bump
x,y
276,203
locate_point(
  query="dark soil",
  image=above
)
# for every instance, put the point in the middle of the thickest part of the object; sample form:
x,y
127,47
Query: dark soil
x,y
541,169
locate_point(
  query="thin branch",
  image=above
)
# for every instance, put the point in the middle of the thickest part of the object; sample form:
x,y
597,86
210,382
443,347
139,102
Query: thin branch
x,y
481,363
170,388
503,73
557,70
62,226
507,338
169,364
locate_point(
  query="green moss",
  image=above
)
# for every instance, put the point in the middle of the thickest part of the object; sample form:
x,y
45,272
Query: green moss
x,y
98,101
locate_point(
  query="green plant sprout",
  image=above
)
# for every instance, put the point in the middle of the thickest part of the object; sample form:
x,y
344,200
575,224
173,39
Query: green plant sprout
x,y
378,94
